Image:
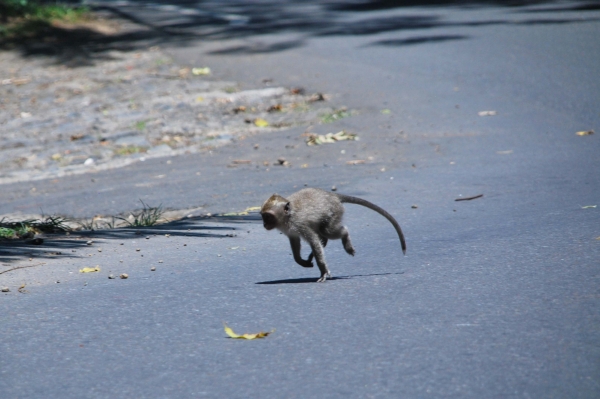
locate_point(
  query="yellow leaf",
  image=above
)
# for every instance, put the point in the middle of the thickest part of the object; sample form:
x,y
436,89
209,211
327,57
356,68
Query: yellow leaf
x,y
199,99
252,209
233,335
260,122
201,71
89,269
585,133
235,214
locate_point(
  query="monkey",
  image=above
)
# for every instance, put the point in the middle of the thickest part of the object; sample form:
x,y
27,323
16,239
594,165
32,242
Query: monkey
x,y
315,216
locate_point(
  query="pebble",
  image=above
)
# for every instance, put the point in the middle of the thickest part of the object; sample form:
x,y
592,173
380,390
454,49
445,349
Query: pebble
x,y
111,276
90,242
5,289
124,276
153,268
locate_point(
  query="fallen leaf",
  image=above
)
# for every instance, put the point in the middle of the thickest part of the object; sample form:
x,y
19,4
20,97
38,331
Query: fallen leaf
x,y
22,289
355,162
329,138
386,111
588,206
260,122
233,335
486,113
274,108
199,99
89,269
235,214
585,133
253,208
201,71
316,97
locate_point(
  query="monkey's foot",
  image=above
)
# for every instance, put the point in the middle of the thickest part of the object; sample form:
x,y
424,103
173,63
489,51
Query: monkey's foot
x,y
324,277
350,250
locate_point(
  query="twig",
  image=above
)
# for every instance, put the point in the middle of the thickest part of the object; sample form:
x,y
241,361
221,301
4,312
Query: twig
x,y
469,198
21,267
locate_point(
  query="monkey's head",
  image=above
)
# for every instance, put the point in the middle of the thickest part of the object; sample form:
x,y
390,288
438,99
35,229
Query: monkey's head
x,y
275,212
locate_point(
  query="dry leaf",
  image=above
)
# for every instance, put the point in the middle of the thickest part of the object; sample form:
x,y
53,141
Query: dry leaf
x,y
201,71
89,269
329,138
355,162
260,122
585,133
588,206
233,335
252,209
486,113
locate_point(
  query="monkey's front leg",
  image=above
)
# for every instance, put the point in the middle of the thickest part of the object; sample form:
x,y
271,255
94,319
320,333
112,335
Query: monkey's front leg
x,y
295,244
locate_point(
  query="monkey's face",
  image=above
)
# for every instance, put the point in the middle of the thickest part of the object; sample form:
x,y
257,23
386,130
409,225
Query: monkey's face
x,y
269,220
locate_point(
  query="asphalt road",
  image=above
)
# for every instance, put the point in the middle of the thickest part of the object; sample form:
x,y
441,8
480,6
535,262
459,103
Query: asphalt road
x,y
496,297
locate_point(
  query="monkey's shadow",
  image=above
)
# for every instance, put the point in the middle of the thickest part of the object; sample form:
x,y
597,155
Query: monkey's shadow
x,y
314,279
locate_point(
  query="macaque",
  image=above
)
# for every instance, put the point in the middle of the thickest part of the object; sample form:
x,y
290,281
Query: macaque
x,y
315,216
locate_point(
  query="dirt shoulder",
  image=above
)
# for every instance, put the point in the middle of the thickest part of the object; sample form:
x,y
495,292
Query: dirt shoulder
x,y
117,100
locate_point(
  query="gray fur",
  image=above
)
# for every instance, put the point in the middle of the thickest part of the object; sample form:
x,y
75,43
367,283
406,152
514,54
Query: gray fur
x,y
315,215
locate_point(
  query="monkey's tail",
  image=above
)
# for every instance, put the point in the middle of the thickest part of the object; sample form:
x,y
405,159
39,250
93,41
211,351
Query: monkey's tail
x,y
359,201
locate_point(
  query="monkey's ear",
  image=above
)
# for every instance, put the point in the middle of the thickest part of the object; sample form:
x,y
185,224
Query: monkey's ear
x,y
287,208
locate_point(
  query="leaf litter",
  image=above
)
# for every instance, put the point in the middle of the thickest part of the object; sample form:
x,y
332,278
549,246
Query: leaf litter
x,y
330,138
232,334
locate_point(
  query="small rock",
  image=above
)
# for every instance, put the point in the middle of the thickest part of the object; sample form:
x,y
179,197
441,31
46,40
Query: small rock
x,y
152,269
160,261
111,276
99,250
5,289
124,276
89,162
414,206
90,242
333,188
137,249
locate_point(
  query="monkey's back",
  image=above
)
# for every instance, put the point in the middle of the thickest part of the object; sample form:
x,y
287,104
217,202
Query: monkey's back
x,y
318,208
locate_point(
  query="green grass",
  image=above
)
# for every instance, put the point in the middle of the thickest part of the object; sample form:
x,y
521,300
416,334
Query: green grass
x,y
148,216
29,227
26,18
128,150
335,115
140,125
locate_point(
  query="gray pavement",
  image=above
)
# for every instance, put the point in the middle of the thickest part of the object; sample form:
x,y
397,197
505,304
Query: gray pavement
x,y
496,297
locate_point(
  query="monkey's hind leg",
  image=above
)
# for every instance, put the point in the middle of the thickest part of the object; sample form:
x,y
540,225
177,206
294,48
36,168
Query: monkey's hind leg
x,y
346,241
317,249
323,242
340,231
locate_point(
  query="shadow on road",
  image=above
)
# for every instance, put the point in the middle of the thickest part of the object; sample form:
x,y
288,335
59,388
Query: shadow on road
x,y
314,280
178,22
63,246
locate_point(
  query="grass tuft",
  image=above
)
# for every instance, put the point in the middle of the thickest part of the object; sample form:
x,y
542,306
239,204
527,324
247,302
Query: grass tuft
x,y
148,216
